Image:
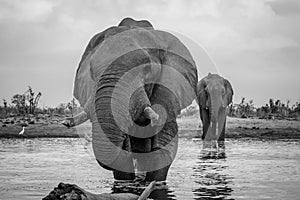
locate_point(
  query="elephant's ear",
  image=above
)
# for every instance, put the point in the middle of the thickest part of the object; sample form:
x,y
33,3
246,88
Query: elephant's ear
x,y
229,91
179,71
84,84
201,93
180,77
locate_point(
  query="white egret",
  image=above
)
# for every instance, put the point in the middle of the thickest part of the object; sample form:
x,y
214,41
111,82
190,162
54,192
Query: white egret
x,y
22,131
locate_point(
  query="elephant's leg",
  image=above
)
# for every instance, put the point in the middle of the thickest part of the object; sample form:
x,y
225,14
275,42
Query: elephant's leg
x,y
165,145
127,174
121,175
221,139
122,161
205,122
156,161
158,175
222,135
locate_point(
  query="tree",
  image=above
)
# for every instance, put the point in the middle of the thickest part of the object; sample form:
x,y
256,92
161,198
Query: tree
x,y
272,106
33,101
26,103
242,107
19,102
60,109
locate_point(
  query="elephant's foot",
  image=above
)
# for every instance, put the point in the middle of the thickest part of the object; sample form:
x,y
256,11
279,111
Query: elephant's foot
x,y
158,175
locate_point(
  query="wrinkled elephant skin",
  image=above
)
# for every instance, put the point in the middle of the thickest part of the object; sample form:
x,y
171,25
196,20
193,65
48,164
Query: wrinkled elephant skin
x,y
132,82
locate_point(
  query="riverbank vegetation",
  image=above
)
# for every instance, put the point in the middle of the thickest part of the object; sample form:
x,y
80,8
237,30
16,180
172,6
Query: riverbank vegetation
x,y
274,109
23,108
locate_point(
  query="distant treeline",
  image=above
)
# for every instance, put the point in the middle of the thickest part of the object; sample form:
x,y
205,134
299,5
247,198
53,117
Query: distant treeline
x,y
271,110
245,109
63,109
27,104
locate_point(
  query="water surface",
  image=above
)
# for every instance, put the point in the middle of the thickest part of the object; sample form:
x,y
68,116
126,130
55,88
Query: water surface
x,y
253,169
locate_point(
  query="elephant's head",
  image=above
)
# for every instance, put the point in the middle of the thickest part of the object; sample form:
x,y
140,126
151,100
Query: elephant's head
x,y
131,67
129,22
214,94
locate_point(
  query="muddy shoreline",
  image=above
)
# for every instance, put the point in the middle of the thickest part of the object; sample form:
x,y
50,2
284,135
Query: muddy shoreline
x,y
188,128
38,131
236,128
238,133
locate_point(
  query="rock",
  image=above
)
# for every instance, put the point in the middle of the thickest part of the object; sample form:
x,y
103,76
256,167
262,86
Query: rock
x,y
23,124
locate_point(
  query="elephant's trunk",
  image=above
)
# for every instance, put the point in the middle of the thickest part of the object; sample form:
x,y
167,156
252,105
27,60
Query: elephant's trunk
x,y
150,113
120,101
214,127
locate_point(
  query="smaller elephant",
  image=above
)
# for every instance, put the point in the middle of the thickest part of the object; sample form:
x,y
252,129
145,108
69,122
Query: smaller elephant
x,y
214,94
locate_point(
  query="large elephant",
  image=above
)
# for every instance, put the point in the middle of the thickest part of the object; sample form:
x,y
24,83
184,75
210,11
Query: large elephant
x,y
132,82
214,94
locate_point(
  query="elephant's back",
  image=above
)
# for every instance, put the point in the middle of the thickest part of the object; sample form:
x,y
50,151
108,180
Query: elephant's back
x,y
115,42
133,40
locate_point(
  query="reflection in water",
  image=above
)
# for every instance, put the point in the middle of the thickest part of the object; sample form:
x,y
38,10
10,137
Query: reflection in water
x,y
213,182
213,150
